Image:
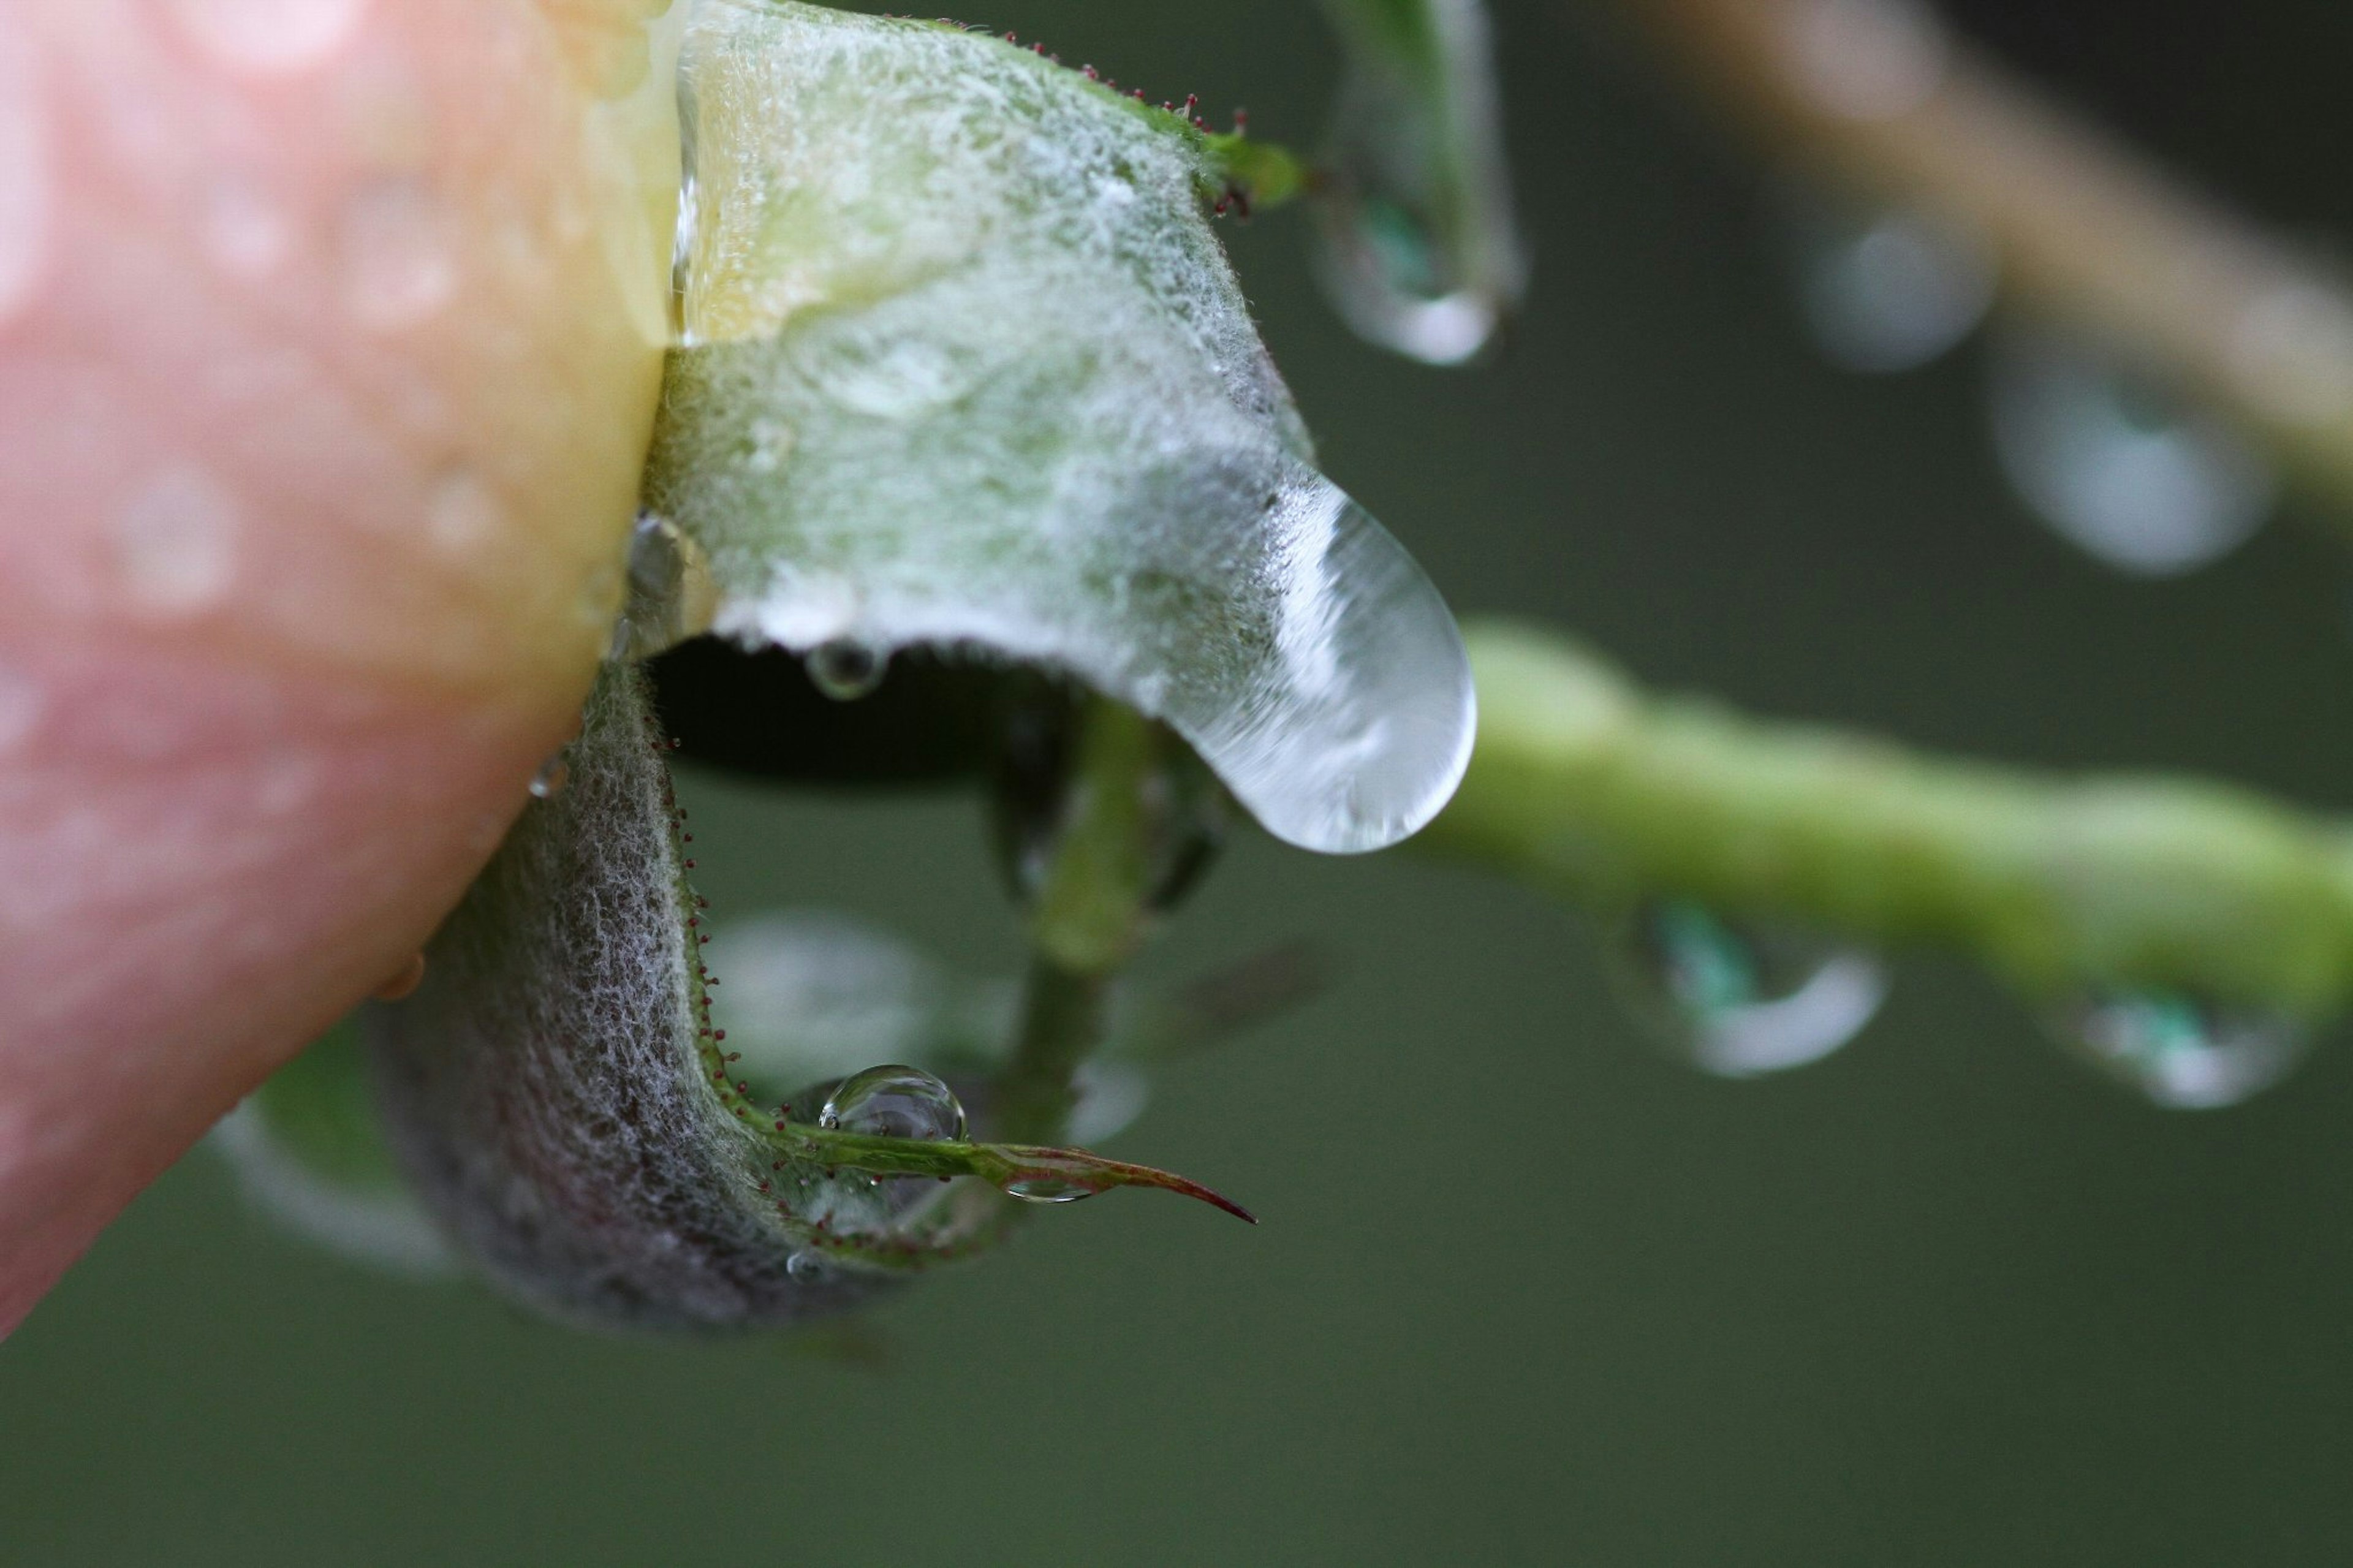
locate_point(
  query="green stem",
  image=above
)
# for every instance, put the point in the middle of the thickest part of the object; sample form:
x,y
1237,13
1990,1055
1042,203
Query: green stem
x,y
1063,1022
1584,784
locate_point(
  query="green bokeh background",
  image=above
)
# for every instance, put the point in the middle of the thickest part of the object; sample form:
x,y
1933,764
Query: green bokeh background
x,y
1943,1299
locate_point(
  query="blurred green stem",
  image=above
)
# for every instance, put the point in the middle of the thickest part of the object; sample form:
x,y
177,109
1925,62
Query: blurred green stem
x,y
1089,917
1584,784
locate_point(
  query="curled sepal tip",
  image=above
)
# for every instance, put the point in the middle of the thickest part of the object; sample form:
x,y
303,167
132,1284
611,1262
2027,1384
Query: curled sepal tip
x,y
1027,1170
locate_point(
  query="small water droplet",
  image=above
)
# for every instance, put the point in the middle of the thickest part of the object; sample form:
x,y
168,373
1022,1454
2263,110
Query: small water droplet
x,y
462,511
244,233
27,188
175,542
671,594
22,702
404,981
1417,241
1866,59
894,1101
809,1267
549,782
1888,289
270,37
1047,1190
2128,474
846,670
1736,1000
397,264
2183,1054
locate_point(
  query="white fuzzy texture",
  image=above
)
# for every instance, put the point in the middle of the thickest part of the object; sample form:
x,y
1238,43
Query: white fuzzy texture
x,y
964,364
541,1090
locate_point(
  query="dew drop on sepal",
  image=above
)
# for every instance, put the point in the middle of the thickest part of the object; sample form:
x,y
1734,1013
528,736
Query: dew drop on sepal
x,y
670,595
549,780
1047,1190
2181,1053
1737,999
846,670
809,1267
1886,288
894,1101
2125,471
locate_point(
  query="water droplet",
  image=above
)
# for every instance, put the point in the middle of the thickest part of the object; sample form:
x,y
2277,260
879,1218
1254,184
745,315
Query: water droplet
x,y
1122,497
463,512
398,267
1418,246
402,981
1047,1190
1737,1001
549,782
1888,289
894,1101
2125,472
2183,1054
270,37
1866,59
671,596
26,186
809,1267
689,223
22,702
245,235
846,670
175,542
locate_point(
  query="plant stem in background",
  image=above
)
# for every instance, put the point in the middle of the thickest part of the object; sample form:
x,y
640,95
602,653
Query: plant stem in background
x,y
1584,784
1877,95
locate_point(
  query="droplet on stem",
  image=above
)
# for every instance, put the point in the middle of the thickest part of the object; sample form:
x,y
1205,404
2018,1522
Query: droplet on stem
x,y
1738,1000
2181,1053
1886,288
2127,472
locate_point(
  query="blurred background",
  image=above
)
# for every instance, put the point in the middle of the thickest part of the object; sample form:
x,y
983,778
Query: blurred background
x,y
1946,1298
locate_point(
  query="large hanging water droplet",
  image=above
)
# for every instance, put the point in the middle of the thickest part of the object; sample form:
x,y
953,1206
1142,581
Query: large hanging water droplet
x,y
1886,289
2181,1053
671,596
846,670
1047,1190
2127,473
1045,431
894,1101
1418,248
1736,1000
